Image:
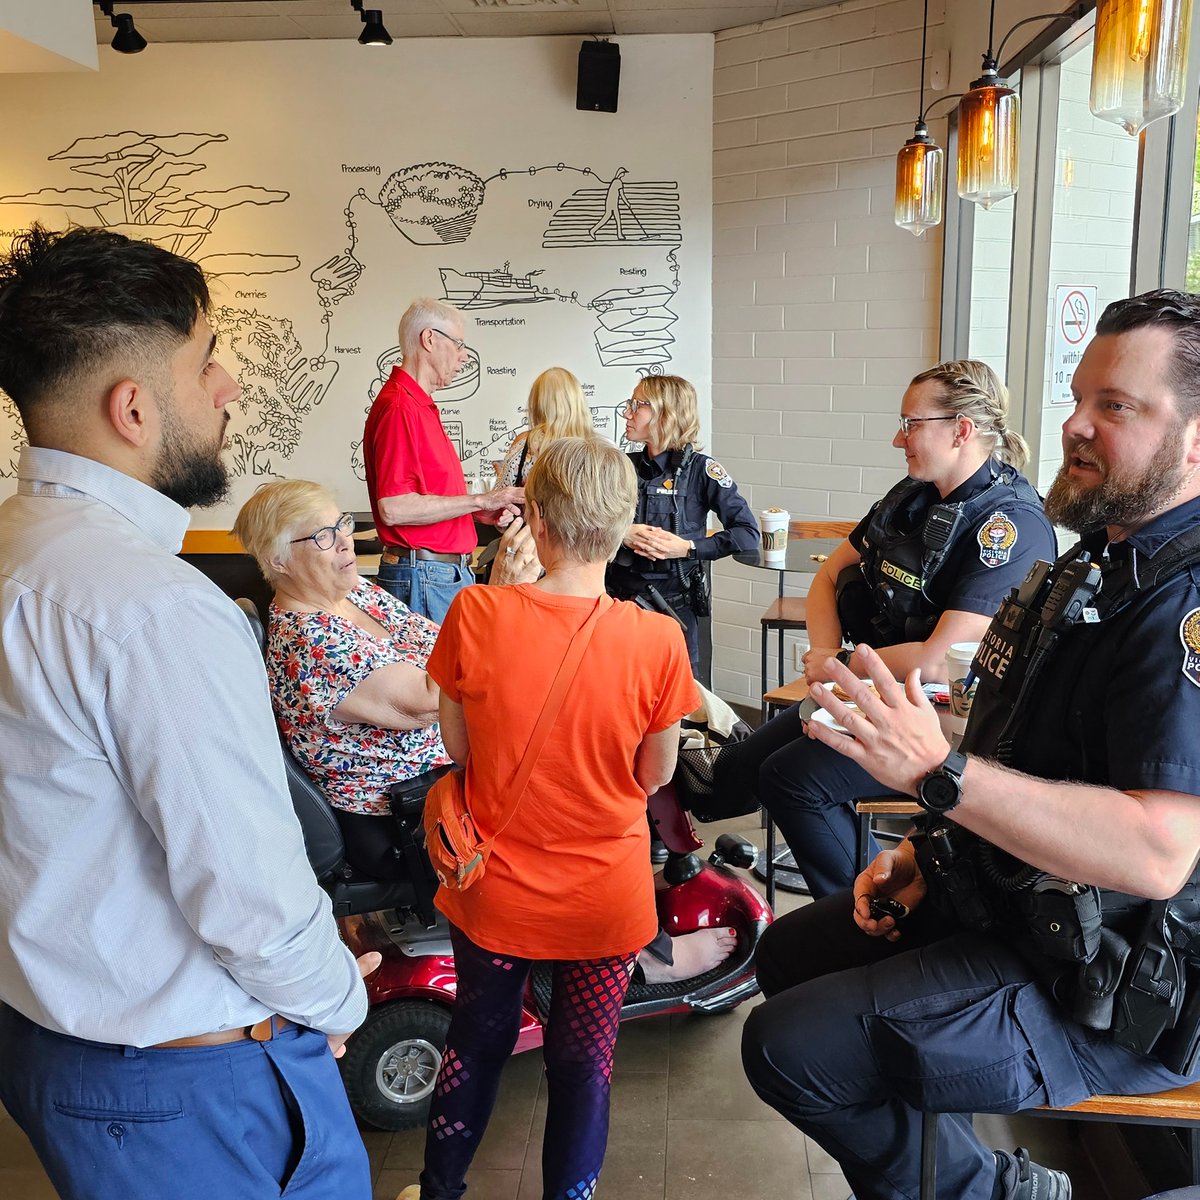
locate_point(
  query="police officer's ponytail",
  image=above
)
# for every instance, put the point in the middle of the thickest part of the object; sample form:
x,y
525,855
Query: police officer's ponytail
x,y
970,388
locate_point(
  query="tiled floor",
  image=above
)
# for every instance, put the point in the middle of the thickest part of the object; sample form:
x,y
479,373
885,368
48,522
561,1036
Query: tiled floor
x,y
685,1126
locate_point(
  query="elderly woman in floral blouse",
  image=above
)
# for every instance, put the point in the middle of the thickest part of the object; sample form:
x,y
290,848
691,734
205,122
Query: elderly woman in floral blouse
x,y
345,661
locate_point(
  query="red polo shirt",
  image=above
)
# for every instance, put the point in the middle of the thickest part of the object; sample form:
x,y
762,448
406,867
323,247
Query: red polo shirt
x,y
405,449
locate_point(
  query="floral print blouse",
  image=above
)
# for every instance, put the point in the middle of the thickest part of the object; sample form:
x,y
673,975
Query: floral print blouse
x,y
314,661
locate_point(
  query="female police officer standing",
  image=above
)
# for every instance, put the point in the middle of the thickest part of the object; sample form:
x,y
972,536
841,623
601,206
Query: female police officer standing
x,y
926,567
660,564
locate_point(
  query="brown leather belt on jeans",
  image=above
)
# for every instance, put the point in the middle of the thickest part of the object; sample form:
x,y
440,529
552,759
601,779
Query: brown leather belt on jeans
x,y
262,1031
399,554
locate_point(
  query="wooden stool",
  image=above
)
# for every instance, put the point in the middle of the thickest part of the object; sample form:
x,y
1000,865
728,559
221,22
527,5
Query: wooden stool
x,y
888,806
1179,1107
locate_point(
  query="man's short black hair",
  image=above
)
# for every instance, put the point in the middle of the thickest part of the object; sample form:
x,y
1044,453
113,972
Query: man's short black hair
x,y
69,301
1165,309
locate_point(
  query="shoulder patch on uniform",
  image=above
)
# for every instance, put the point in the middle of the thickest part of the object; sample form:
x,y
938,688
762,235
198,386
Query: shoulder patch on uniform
x,y
1189,635
997,536
718,474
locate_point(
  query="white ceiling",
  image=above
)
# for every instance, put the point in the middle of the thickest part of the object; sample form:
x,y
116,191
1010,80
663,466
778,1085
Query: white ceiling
x,y
272,20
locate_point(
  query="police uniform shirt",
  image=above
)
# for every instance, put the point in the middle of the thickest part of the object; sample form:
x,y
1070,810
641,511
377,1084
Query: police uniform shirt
x,y
1118,703
709,488
985,562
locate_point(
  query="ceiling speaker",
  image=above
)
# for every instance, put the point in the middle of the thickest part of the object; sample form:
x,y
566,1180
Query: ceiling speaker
x,y
599,77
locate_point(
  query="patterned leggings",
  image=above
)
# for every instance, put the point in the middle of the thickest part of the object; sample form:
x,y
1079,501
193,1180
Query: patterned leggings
x,y
581,1032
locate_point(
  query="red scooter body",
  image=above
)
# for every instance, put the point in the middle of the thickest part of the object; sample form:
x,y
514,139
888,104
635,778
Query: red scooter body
x,y
391,1062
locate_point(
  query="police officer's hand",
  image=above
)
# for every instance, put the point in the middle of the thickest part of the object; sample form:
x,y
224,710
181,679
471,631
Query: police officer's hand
x,y
814,662
893,874
651,542
895,735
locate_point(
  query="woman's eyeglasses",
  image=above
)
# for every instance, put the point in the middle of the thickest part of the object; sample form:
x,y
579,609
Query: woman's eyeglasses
x,y
325,537
632,406
906,423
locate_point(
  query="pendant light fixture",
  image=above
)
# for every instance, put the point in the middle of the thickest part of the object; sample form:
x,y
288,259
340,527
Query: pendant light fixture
x,y
920,167
989,116
1139,60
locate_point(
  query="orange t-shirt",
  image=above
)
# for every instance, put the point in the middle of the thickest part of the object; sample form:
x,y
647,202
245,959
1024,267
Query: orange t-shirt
x,y
570,876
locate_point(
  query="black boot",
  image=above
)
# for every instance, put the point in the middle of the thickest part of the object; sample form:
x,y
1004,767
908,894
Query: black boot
x,y
1021,1179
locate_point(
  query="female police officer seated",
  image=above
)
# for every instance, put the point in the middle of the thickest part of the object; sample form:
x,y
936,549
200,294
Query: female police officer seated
x,y
926,567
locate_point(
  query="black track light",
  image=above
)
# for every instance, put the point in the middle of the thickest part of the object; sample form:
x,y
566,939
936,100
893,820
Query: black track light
x,y
373,34
126,40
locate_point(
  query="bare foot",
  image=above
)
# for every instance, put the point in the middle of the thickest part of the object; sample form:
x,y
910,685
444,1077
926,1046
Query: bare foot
x,y
694,954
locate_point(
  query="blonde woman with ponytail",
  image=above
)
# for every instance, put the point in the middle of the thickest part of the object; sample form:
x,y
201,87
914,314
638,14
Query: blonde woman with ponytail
x,y
556,410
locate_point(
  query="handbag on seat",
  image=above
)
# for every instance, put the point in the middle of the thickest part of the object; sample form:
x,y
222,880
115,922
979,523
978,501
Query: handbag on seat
x,y
456,848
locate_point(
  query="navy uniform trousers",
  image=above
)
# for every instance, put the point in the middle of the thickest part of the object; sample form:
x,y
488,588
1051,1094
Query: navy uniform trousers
x,y
859,1036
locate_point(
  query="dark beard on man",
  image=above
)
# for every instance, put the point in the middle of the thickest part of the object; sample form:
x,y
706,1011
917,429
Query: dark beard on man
x,y
191,475
1118,499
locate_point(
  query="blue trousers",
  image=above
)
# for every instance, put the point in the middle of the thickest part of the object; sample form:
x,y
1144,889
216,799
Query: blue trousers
x,y
581,1034
809,791
245,1121
426,587
859,1036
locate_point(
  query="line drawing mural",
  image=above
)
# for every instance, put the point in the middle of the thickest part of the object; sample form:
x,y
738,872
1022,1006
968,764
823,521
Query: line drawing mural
x,y
618,214
433,203
634,327
492,289
16,437
280,387
140,198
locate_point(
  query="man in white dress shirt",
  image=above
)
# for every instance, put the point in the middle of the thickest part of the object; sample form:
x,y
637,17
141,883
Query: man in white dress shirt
x,y
171,978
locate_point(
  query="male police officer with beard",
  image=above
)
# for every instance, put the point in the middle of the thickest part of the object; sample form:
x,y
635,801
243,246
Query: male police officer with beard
x,y
1053,946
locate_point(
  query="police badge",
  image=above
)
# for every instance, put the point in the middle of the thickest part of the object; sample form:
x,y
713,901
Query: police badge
x,y
1189,635
997,536
718,474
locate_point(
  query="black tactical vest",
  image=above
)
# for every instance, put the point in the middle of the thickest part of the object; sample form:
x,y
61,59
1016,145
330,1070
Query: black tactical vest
x,y
884,598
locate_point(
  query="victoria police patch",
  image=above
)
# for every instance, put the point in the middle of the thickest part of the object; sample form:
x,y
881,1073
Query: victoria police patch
x,y
718,474
997,537
1189,635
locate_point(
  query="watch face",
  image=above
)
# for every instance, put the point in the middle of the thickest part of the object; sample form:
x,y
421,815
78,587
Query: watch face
x,y
939,792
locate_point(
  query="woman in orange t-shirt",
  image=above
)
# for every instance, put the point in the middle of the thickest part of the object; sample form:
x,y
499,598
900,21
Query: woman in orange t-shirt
x,y
567,879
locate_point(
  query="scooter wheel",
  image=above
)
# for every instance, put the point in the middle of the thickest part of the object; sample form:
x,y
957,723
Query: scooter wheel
x,y
392,1061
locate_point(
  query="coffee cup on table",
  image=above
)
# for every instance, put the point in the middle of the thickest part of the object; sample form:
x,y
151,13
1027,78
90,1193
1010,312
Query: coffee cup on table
x,y
961,680
774,525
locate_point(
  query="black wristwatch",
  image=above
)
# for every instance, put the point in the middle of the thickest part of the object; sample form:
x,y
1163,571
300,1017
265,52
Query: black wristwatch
x,y
941,790
843,656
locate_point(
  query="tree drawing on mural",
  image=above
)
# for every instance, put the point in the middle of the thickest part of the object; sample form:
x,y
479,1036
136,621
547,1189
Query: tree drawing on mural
x,y
280,387
138,196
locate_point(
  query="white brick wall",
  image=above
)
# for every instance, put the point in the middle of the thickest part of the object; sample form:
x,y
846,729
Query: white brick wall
x,y
822,308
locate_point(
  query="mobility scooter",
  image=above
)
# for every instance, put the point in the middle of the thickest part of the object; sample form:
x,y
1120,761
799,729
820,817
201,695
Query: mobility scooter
x,y
392,1060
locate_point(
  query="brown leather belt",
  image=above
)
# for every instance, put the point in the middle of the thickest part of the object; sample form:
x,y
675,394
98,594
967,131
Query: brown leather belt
x,y
262,1031
399,554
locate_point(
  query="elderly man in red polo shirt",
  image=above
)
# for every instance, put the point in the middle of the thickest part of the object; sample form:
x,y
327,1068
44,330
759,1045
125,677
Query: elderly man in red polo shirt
x,y
425,517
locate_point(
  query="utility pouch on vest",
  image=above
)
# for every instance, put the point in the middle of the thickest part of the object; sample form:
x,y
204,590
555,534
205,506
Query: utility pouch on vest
x,y
699,592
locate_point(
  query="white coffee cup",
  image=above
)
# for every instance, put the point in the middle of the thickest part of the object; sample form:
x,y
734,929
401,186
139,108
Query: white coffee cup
x,y
960,678
774,525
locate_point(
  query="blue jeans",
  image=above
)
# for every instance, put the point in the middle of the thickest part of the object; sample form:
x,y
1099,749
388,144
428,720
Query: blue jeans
x,y
244,1121
427,589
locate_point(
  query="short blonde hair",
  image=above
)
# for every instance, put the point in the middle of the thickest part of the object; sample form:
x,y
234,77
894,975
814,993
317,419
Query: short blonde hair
x,y
556,409
675,413
970,388
586,491
275,514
